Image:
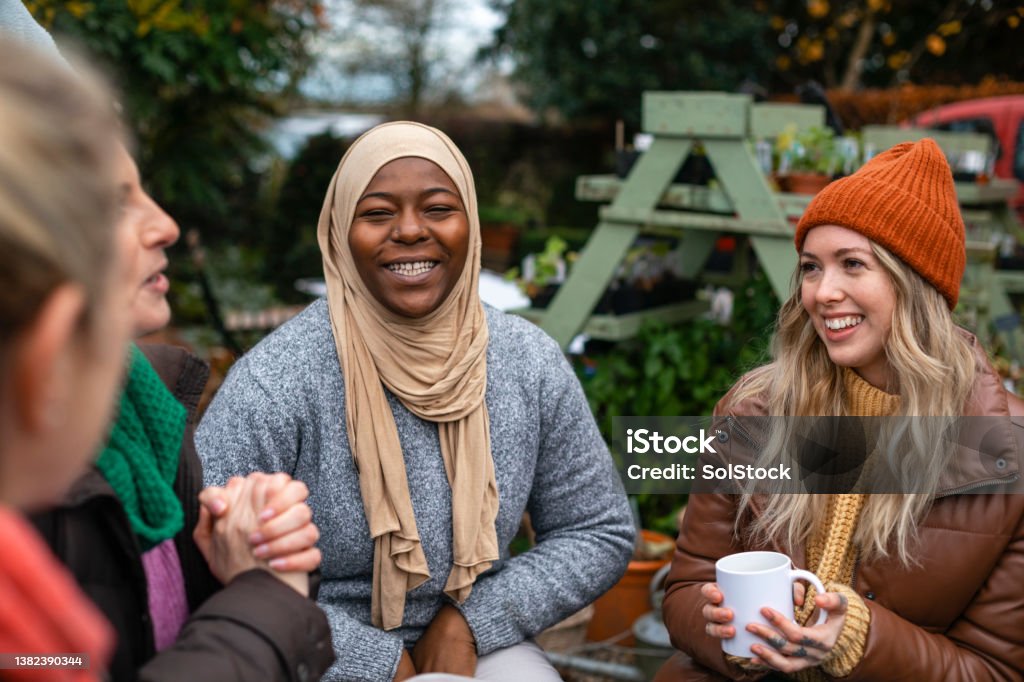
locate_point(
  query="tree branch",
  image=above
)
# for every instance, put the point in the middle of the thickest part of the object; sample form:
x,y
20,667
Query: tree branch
x,y
855,63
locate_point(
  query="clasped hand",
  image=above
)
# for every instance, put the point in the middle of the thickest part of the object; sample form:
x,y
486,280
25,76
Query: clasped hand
x,y
260,521
796,648
446,646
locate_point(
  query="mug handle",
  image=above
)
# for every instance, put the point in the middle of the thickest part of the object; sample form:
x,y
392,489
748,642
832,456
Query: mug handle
x,y
800,574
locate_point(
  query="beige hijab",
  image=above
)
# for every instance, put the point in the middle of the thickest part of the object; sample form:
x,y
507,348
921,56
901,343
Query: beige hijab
x,y
437,367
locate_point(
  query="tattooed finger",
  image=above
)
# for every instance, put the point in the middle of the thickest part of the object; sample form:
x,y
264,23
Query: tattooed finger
x,y
811,642
778,642
799,653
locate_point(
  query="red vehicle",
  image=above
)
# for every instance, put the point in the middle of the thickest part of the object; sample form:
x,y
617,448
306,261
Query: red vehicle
x,y
1002,118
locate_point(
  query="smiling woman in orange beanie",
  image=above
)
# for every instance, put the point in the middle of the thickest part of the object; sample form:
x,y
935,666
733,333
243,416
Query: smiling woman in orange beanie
x,y
868,331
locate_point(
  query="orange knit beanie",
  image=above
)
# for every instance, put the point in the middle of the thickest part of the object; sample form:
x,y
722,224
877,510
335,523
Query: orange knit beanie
x,y
904,200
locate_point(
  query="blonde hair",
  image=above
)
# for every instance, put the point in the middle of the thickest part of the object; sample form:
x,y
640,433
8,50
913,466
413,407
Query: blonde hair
x,y
58,195
933,367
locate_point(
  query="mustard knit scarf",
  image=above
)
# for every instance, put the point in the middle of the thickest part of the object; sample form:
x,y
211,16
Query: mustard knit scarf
x,y
831,554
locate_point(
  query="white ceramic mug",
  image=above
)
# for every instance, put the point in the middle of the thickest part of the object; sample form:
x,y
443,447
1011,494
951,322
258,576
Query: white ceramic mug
x,y
750,581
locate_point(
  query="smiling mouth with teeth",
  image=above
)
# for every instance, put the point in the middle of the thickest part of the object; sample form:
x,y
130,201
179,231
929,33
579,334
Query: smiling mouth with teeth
x,y
838,323
412,269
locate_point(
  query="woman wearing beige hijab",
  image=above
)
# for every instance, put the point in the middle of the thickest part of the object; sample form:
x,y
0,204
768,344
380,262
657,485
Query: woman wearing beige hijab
x,y
425,423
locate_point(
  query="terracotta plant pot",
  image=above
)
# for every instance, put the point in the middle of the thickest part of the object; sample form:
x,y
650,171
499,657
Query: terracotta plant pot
x,y
617,610
806,183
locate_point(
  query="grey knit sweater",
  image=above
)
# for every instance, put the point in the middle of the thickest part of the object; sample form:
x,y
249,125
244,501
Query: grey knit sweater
x,y
282,408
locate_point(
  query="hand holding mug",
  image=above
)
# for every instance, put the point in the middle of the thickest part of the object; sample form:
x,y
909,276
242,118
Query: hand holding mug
x,y
798,648
756,590
719,620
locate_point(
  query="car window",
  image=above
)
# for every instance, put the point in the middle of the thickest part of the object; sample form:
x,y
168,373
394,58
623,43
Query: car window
x,y
982,124
1018,153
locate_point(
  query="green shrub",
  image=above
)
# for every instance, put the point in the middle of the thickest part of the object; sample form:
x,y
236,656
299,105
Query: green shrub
x,y
678,370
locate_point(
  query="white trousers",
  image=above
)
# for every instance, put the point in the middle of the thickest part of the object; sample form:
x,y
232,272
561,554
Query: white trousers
x,y
524,662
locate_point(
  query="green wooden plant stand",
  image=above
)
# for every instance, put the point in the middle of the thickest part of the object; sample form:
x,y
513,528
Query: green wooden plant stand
x,y
646,201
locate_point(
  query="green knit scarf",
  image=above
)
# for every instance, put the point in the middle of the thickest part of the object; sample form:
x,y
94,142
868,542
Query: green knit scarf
x,y
140,462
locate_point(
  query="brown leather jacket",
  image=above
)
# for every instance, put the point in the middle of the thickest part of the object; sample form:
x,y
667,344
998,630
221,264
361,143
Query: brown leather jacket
x,y
957,615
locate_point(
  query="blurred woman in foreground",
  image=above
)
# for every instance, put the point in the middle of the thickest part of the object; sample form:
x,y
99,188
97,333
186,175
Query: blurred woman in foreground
x,y
217,591
65,269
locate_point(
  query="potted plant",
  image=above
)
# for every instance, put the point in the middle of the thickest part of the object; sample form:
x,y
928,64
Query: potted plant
x,y
808,160
542,273
647,276
639,283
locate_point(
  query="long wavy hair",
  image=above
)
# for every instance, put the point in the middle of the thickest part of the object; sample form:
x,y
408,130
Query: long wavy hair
x,y
933,369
